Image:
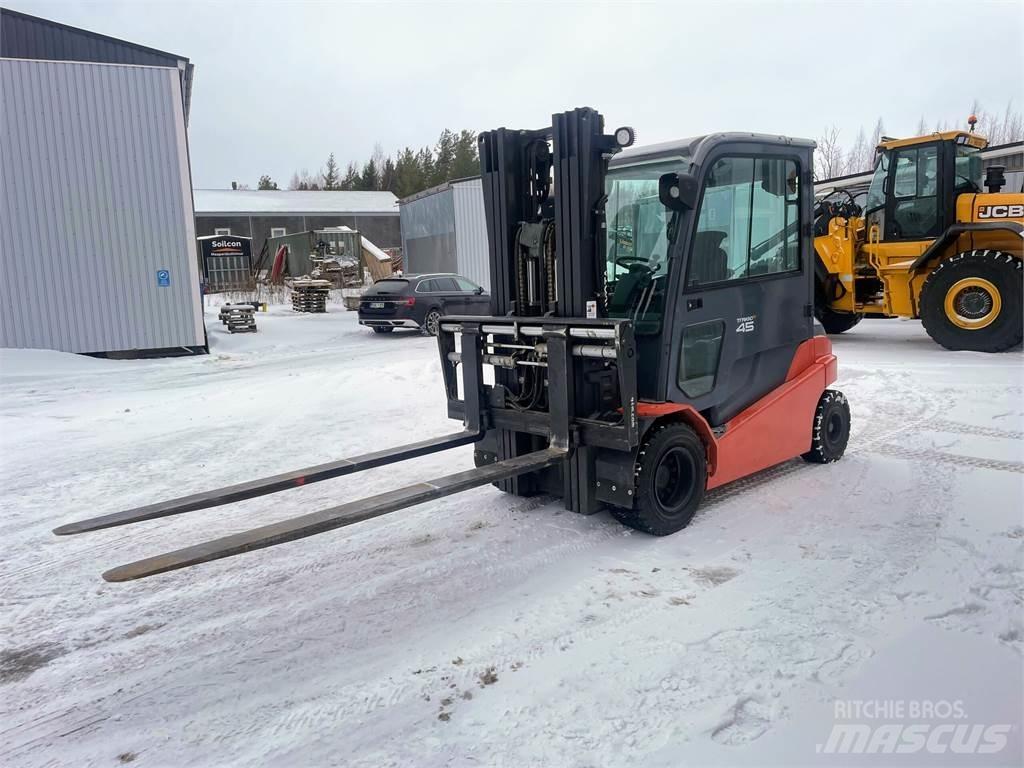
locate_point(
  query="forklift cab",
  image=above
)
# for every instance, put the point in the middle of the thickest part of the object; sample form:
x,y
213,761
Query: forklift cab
x,y
916,183
708,252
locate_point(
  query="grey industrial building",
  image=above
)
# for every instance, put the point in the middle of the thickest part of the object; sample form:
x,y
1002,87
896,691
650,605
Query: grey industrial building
x,y
444,229
98,252
261,214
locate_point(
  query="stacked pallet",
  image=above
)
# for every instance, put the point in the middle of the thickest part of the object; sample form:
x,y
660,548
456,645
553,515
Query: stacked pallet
x,y
239,318
310,295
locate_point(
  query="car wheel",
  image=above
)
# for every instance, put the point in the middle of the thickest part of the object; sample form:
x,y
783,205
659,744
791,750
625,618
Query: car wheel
x,y
432,322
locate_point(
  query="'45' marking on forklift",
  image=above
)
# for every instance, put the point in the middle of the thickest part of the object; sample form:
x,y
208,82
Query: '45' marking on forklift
x,y
745,324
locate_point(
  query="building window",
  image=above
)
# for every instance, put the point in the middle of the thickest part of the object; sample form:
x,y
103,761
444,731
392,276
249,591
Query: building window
x,y
222,231
278,231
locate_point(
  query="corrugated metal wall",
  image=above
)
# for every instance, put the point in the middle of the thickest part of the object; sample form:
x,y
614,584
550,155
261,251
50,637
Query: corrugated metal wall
x,y
96,199
29,37
428,234
471,231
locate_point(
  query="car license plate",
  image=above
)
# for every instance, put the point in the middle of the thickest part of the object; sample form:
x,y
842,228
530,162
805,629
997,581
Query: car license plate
x,y
376,305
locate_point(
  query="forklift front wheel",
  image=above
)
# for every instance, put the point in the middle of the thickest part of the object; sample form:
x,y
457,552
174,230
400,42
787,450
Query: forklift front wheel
x,y
830,429
671,474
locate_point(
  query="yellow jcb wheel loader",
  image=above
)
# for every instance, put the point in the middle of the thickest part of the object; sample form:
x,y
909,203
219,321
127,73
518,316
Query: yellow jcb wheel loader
x,y
928,243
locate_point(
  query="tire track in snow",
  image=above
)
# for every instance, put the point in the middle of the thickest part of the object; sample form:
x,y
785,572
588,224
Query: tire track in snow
x,y
960,460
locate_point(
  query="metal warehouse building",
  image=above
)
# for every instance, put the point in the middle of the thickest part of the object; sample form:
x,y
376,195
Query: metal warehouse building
x,y
260,214
98,240
444,229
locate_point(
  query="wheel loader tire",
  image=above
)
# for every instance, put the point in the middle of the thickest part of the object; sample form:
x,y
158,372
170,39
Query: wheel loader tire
x,y
837,322
973,301
671,475
830,429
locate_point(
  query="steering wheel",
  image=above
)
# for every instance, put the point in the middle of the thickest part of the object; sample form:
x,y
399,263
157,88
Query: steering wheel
x,y
969,181
633,261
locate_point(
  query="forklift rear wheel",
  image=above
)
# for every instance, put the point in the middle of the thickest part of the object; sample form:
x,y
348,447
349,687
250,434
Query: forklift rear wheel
x,y
972,301
837,322
831,428
671,474
383,329
432,323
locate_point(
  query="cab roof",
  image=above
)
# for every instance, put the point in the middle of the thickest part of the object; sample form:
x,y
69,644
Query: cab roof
x,y
697,147
970,139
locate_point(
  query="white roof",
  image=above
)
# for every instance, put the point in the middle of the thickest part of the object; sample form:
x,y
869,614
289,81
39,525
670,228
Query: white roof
x,y
257,202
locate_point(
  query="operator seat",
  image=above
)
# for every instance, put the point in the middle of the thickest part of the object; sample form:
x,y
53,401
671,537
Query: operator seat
x,y
710,261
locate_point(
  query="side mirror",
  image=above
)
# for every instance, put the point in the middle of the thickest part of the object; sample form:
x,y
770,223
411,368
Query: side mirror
x,y
678,191
478,290
773,178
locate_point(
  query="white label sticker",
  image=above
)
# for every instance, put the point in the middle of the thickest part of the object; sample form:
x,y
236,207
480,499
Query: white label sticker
x,y
591,309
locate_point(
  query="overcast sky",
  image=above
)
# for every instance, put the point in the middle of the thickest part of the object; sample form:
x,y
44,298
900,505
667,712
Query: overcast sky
x,y
278,86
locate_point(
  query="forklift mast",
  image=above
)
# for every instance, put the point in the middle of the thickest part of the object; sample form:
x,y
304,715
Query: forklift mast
x,y
544,193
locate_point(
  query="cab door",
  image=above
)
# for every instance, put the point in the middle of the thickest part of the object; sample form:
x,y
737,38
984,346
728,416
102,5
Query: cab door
x,y
914,186
743,304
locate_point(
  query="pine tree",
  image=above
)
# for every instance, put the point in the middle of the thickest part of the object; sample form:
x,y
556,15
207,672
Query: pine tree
x,y
408,179
331,179
388,175
467,159
369,180
444,158
351,180
425,164
266,183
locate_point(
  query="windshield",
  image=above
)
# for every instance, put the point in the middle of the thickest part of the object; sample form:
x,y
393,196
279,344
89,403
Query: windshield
x,y
876,192
637,221
968,169
637,242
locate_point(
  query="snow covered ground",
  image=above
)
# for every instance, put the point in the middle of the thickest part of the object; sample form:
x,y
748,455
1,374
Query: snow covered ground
x,y
490,630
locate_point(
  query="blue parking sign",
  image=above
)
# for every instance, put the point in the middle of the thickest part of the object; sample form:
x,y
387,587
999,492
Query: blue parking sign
x,y
163,278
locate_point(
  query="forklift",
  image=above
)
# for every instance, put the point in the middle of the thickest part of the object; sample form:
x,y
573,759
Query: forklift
x,y
651,336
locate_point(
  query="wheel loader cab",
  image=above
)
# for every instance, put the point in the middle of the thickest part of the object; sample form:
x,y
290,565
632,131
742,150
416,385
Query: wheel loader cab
x,y
916,182
716,280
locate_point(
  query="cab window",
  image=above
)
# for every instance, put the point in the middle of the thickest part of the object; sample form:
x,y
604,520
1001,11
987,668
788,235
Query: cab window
x,y
748,224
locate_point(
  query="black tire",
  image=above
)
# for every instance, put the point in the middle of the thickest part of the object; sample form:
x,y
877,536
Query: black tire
x,y
973,301
383,328
831,428
837,322
671,475
432,322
